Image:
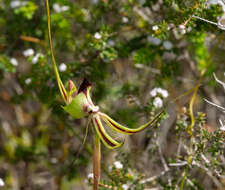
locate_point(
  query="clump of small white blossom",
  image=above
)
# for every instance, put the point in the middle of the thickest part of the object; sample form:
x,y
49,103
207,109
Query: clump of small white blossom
x,y
155,27
97,35
118,165
29,52
158,94
58,8
159,91
14,61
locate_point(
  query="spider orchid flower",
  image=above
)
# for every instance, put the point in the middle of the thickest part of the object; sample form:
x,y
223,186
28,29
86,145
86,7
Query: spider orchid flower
x,y
79,105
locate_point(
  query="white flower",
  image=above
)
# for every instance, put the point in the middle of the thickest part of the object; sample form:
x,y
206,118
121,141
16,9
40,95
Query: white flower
x,y
14,61
167,45
158,103
62,67
57,8
125,19
155,27
163,92
15,4
90,176
153,40
97,35
118,165
125,187
153,92
28,81
2,183
28,52
65,8
36,58
110,168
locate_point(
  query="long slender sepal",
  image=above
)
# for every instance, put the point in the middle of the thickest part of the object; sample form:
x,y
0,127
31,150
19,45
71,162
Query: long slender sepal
x,y
121,129
108,141
96,161
60,84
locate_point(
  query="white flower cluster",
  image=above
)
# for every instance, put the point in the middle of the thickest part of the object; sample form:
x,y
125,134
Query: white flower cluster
x,y
17,3
57,8
29,52
14,61
157,93
155,27
97,35
160,91
118,165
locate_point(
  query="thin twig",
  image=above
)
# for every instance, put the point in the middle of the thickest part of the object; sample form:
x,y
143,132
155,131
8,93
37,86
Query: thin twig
x,y
220,107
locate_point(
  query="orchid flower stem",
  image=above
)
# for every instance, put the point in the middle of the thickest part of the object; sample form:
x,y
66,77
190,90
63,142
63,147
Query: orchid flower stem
x,y
96,161
190,131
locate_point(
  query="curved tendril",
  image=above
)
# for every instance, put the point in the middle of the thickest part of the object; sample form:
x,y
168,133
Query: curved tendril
x,y
108,141
122,129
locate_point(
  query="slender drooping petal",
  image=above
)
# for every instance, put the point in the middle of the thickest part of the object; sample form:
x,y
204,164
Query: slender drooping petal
x,y
121,129
108,141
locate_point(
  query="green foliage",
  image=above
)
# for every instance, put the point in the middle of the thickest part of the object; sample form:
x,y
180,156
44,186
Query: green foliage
x,y
126,49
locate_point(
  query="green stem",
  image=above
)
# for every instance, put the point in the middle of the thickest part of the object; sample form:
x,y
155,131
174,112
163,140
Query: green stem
x,y
190,131
96,161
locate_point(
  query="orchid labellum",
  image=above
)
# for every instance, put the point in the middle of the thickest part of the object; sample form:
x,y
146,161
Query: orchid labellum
x,y
79,105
